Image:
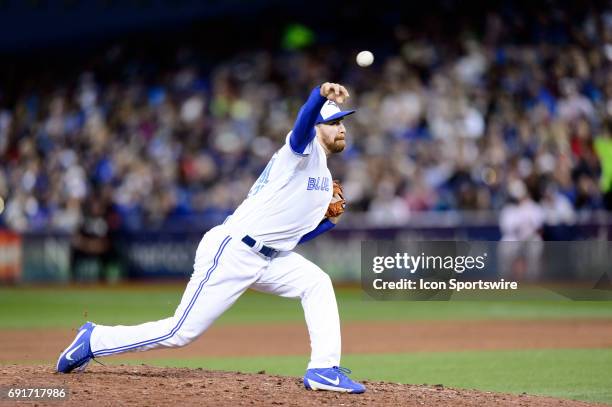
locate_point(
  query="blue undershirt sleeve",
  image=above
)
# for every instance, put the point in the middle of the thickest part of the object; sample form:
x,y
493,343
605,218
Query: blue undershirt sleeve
x,y
303,130
323,227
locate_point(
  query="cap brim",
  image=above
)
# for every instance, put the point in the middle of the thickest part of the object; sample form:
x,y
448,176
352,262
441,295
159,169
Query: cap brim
x,y
336,116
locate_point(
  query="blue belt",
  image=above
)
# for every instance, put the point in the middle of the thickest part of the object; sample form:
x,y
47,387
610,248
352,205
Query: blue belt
x,y
265,250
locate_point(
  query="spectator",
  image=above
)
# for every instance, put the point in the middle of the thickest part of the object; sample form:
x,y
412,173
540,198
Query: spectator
x,y
458,118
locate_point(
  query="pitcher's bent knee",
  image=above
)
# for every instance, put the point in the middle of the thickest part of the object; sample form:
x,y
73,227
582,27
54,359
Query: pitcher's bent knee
x,y
320,281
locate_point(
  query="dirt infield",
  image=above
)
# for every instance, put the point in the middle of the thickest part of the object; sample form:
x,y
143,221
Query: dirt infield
x,y
26,346
147,386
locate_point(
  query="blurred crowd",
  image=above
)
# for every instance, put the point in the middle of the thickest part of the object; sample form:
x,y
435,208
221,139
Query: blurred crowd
x,y
465,123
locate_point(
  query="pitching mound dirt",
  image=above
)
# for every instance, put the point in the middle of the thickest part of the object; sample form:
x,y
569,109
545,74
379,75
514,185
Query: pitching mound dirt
x,y
152,386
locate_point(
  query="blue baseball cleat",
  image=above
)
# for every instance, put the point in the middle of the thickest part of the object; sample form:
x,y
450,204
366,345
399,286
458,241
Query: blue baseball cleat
x,y
333,379
78,354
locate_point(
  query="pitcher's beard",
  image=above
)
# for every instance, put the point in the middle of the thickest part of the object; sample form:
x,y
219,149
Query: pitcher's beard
x,y
338,146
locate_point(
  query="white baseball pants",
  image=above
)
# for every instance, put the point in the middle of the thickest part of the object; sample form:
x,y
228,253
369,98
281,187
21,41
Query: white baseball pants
x,y
224,268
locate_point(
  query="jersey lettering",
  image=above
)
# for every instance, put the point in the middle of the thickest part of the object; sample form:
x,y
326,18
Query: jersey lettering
x,y
318,184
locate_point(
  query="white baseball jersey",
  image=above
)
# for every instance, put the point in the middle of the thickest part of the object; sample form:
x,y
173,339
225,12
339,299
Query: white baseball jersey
x,y
288,200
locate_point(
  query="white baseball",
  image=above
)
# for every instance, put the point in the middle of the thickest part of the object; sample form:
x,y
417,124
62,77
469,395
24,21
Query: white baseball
x,y
365,58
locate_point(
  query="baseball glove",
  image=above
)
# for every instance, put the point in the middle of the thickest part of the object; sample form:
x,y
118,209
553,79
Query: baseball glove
x,y
338,203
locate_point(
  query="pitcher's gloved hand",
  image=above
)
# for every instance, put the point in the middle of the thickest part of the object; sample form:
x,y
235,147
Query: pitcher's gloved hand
x,y
338,203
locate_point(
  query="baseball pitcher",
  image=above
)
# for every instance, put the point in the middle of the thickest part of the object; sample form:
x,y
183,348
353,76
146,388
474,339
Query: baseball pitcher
x,y
293,201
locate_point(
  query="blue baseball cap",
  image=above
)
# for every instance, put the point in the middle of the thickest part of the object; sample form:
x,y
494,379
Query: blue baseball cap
x,y
330,112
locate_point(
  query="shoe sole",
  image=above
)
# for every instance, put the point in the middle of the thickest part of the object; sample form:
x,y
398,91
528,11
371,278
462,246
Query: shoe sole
x,y
314,385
